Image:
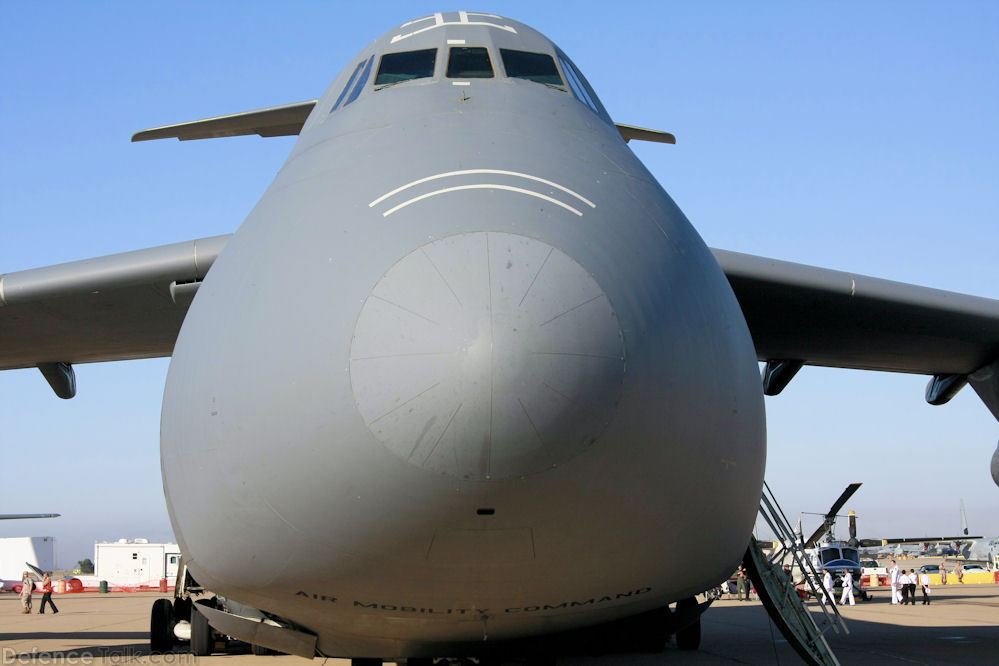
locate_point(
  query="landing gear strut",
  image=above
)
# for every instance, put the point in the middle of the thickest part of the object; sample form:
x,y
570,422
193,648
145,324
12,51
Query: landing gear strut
x,y
688,638
202,637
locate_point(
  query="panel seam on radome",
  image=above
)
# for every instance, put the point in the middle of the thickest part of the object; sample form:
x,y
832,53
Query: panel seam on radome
x,y
400,406
441,275
535,278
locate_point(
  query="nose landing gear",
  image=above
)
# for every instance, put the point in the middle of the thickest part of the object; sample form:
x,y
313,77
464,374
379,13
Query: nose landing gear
x,y
689,637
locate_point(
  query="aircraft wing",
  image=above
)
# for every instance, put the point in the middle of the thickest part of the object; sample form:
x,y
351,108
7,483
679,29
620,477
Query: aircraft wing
x,y
23,516
874,543
806,315
283,120
131,305
122,306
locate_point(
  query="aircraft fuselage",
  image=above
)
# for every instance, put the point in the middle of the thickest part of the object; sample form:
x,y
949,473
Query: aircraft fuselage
x,y
466,371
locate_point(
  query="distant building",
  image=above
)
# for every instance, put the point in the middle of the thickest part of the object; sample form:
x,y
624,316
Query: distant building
x,y
136,562
15,551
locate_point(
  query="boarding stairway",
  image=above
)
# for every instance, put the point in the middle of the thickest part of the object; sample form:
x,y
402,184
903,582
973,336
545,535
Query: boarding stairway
x,y
780,594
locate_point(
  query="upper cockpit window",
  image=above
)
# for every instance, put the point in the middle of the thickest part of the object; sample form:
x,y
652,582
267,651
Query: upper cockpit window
x,y
361,80
538,67
350,82
406,66
578,89
469,62
581,89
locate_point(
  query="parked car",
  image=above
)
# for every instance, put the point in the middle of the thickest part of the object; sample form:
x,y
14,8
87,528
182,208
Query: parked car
x,y
872,567
930,569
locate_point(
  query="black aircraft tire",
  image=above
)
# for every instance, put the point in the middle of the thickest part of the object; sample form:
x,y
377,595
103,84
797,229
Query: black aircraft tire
x,y
161,626
202,639
689,638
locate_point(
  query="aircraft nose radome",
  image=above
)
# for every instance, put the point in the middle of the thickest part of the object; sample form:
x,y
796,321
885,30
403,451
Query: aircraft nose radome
x,y
487,355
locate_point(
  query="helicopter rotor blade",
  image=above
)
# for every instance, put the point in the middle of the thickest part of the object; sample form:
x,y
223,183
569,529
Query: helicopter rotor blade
x,y
830,516
847,494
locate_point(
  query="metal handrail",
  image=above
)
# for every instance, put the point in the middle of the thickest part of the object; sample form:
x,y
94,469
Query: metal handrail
x,y
793,544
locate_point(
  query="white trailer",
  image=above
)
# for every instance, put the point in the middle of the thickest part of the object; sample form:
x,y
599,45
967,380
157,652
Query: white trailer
x,y
136,562
15,551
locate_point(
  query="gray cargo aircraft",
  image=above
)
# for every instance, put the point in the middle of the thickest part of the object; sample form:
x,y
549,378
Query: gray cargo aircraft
x,y
478,383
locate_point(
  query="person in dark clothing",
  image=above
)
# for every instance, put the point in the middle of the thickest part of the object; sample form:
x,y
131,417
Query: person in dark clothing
x,y
742,581
47,594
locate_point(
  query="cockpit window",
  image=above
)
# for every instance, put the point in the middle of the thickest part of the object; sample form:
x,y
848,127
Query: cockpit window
x,y
469,62
538,67
361,80
350,82
354,84
406,66
578,89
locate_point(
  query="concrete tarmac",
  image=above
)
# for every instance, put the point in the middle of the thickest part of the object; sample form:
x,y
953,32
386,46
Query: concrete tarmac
x,y
960,625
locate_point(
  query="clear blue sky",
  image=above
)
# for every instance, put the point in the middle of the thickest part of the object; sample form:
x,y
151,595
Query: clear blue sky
x,y
857,135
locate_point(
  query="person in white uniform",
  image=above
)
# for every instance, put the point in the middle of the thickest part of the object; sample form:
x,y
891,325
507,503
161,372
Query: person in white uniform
x,y
847,588
827,582
924,580
893,573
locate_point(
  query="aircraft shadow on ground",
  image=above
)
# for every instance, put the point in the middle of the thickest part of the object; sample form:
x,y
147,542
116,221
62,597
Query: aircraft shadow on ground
x,y
932,641
86,635
744,634
121,653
